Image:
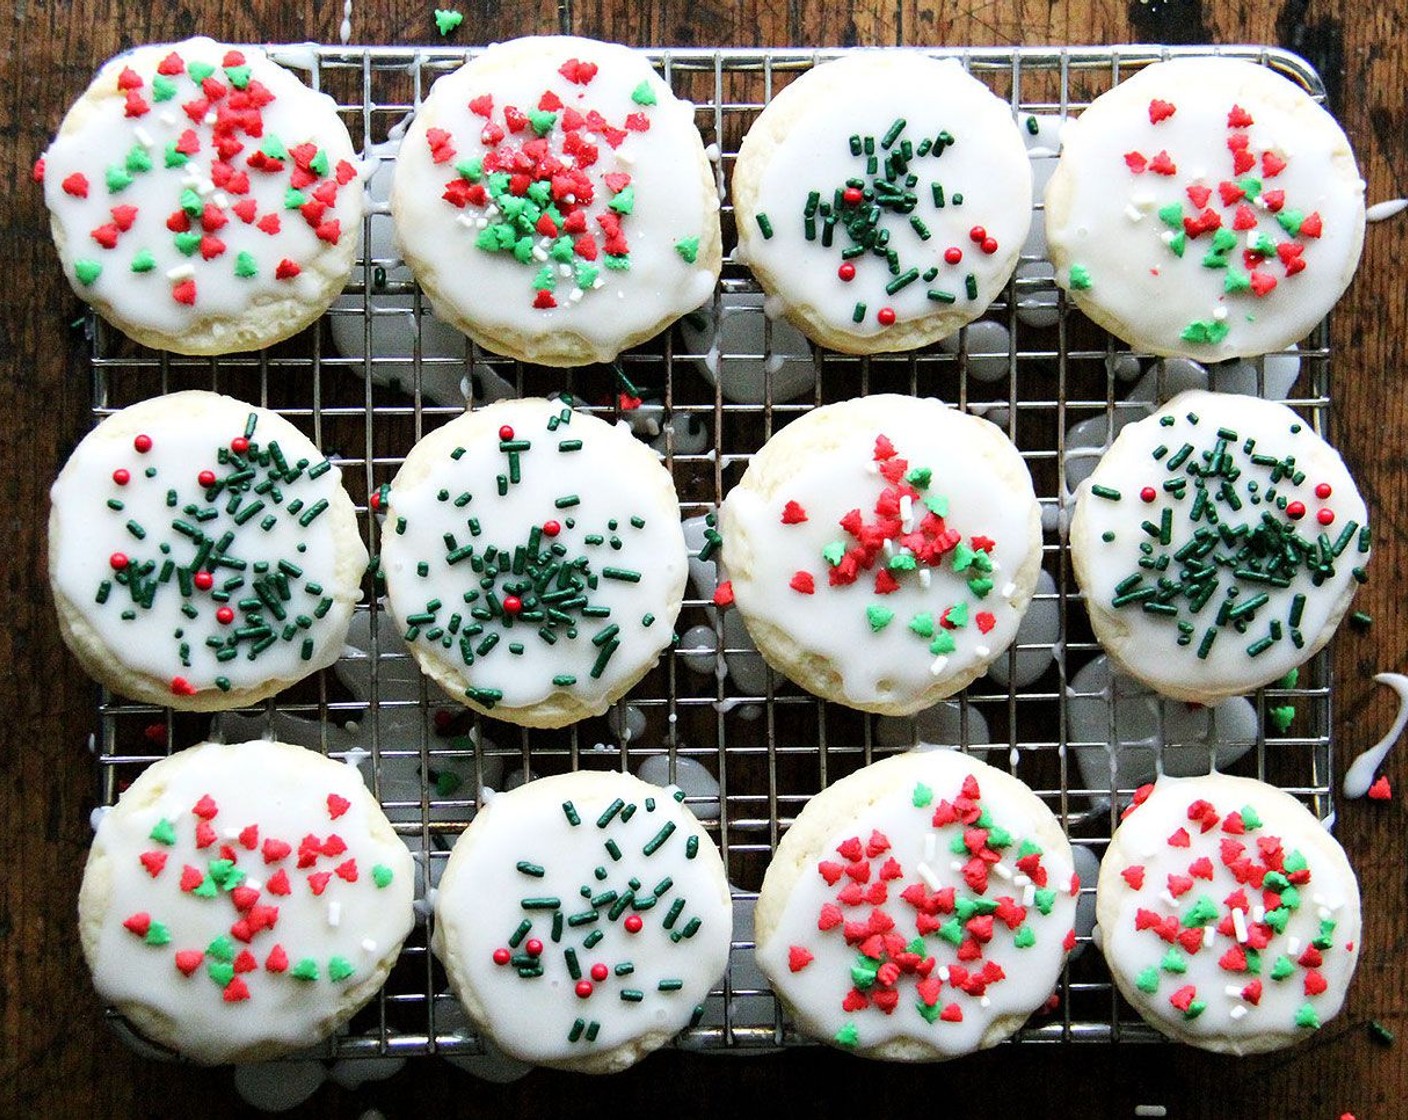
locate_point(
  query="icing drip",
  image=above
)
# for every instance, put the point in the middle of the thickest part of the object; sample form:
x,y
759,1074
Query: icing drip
x,y
1359,778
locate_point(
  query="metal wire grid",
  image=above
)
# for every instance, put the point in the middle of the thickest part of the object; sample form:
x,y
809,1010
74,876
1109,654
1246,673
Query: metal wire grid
x,y
771,748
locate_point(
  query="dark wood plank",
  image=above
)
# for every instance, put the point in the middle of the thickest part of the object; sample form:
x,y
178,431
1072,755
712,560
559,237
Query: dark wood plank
x,y
56,1055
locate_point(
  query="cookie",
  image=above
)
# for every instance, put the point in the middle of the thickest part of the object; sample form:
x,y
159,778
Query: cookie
x,y
582,919
554,200
1217,544
534,560
1206,207
882,550
202,198
918,909
1228,915
242,901
202,553
882,200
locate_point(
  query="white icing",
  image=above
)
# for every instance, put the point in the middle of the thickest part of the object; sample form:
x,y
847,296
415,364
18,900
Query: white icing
x,y
751,357
98,137
1390,208
284,791
479,909
611,484
673,202
1151,736
1271,1020
1144,643
1360,775
862,95
816,991
1138,287
187,431
988,493
1034,647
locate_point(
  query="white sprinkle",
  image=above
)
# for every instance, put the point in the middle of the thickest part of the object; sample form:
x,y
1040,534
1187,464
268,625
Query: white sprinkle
x,y
221,199
955,866
1233,991
539,253
1258,913
1293,947
981,651
1021,880
564,270
985,1002
1133,213
209,118
1209,936
254,884
1144,199
481,222
924,576
906,513
1009,589
1252,238
1239,925
1169,899
1003,871
369,946
1166,237
889,547
1150,1110
334,914
168,117
467,220
942,973
576,296
1028,894
1238,1012
938,666
599,282
143,136
1220,313
931,880
181,271
231,833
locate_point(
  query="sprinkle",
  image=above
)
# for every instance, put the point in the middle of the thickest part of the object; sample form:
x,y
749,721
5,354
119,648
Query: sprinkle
x,y
447,21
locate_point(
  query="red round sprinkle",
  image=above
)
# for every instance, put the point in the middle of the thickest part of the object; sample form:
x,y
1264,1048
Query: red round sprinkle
x,y
1148,494
551,528
239,445
599,972
506,432
533,947
989,245
634,924
121,476
1325,516
1323,491
953,254
206,478
502,956
118,560
512,604
374,499
584,988
847,271
978,235
1295,510
225,616
143,443
204,580
851,196
886,315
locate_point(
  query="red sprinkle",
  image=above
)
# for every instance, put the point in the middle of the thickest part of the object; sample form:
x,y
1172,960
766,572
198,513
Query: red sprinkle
x,y
977,235
847,271
1380,790
512,604
206,478
723,594
953,254
1325,516
121,476
118,561
239,445
1148,494
203,580
793,514
502,956
76,185
989,245
600,972
634,923
851,196
803,582
1160,110
225,616
551,528
533,947
506,432
143,444
886,316
337,805
1323,491
584,989
1295,510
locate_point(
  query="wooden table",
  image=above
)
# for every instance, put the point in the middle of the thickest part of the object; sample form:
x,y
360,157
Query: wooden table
x,y
57,1058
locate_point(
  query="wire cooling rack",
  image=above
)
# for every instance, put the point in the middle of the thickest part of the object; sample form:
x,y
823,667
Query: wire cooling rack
x,y
769,747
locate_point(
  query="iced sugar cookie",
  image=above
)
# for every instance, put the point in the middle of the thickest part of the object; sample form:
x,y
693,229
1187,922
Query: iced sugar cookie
x,y
882,550
534,559
1228,915
241,901
202,198
1205,207
882,200
919,909
554,199
582,919
1218,544
202,553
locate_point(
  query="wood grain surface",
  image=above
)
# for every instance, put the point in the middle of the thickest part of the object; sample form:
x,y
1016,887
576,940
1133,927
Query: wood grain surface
x,y
57,1057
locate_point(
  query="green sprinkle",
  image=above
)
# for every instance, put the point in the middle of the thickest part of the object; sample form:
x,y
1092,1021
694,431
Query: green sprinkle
x,y
1148,980
879,616
87,271
1080,277
765,226
643,94
445,22
381,875
339,969
306,969
688,247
